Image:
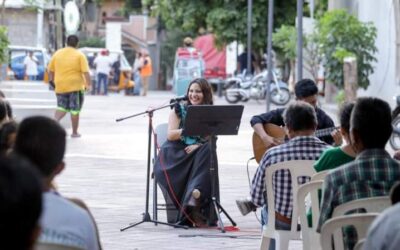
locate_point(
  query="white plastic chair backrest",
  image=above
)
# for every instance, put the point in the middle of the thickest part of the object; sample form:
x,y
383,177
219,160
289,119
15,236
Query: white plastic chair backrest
x,y
297,168
53,246
359,244
310,235
360,221
371,205
320,176
161,133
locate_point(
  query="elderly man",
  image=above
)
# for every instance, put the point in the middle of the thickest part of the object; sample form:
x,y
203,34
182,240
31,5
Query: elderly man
x,y
301,121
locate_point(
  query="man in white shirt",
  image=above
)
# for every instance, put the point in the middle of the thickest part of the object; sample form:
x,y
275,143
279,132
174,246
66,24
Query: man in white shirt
x,y
43,141
103,65
30,64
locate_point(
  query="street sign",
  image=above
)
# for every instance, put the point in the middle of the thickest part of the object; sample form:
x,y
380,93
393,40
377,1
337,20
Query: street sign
x,y
71,18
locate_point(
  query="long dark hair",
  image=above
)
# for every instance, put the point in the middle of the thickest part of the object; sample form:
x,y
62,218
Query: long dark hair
x,y
205,89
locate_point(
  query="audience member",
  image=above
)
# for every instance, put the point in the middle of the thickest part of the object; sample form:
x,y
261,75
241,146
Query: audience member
x,y
8,133
20,204
43,141
334,157
301,121
373,172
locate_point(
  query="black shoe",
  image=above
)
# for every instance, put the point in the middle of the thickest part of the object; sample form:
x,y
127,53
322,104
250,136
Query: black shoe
x,y
245,206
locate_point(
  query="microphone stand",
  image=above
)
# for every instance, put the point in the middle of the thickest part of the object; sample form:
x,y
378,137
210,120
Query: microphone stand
x,y
146,214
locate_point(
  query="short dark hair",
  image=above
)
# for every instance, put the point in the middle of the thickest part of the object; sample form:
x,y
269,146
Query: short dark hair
x,y
3,110
6,130
345,115
42,140
72,41
394,193
305,88
205,89
300,115
20,202
371,118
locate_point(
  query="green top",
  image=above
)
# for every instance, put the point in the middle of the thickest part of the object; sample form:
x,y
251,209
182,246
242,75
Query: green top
x,y
332,158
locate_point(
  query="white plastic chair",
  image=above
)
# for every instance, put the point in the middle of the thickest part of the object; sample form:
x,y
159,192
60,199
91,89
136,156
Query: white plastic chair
x,y
282,237
320,176
309,234
359,244
160,132
53,246
370,205
360,221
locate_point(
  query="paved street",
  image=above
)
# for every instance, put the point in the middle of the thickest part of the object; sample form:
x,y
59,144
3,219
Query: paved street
x,y
106,167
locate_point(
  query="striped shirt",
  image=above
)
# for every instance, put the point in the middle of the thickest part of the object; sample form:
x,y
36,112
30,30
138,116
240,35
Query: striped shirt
x,y
298,148
371,174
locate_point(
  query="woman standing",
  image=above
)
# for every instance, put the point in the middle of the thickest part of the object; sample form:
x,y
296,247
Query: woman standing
x,y
183,165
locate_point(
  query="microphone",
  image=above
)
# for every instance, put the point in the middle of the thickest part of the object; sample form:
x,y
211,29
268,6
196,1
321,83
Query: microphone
x,y
180,98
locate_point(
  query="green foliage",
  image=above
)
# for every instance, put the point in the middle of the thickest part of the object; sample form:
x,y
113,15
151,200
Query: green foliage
x,y
341,54
340,97
341,33
3,44
227,20
285,40
93,42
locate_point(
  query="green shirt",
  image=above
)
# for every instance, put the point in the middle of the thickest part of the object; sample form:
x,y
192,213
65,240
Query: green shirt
x,y
332,158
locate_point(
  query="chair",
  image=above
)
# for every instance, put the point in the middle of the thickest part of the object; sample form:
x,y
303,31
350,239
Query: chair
x,y
319,176
359,244
54,246
297,168
309,234
370,205
161,137
360,221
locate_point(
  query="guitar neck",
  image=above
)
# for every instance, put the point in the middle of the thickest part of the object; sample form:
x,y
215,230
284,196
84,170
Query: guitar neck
x,y
324,132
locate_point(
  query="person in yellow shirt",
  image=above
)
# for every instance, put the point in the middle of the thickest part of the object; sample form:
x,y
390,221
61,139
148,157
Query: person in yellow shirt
x,y
69,73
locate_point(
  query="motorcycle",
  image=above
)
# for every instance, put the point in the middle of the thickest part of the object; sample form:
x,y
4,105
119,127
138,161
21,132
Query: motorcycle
x,y
395,137
242,88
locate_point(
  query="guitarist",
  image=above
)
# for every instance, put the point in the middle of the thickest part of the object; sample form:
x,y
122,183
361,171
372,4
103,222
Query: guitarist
x,y
305,90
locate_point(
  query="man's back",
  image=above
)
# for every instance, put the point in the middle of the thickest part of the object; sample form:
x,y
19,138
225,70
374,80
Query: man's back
x,y
65,223
69,64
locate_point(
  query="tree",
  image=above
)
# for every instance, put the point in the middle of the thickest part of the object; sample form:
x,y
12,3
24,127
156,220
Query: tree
x,y
3,44
340,33
227,20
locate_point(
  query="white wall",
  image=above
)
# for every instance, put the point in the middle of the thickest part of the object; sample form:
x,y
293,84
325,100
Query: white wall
x,y
383,80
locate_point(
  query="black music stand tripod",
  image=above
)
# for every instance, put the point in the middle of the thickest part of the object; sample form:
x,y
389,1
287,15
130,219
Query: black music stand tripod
x,y
212,120
146,214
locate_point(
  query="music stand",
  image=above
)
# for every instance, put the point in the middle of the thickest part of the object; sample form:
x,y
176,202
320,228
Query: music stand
x,y
212,120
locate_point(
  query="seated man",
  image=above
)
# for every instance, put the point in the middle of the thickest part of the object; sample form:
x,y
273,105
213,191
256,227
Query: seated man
x,y
307,91
300,120
20,204
373,172
43,141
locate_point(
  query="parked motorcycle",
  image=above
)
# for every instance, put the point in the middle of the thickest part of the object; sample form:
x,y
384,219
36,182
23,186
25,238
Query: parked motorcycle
x,y
240,88
395,137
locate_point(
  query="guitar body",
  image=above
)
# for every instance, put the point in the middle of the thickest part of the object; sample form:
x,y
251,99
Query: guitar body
x,y
258,145
278,133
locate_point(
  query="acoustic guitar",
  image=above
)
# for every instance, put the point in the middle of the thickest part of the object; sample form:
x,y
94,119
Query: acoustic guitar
x,y
279,133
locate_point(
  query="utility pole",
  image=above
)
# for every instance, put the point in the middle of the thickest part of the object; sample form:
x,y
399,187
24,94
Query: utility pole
x,y
249,18
59,29
39,24
269,50
299,40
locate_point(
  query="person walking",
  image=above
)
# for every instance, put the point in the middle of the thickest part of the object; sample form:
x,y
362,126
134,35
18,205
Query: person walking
x,y
31,66
69,73
137,64
146,71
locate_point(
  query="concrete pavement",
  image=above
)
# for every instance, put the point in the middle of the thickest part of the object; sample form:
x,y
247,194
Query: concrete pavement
x,y
106,167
